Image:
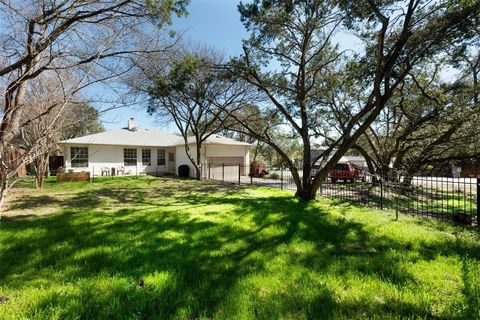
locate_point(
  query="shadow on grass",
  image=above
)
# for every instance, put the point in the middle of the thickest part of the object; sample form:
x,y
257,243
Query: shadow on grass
x,y
120,191
193,266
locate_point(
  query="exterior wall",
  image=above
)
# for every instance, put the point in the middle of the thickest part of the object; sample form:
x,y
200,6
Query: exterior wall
x,y
224,151
227,167
182,158
100,156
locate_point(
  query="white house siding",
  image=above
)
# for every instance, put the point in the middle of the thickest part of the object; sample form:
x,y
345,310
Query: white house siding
x,y
231,157
100,156
182,158
228,151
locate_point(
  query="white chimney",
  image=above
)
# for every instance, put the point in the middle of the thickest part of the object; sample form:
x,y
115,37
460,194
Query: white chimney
x,y
132,124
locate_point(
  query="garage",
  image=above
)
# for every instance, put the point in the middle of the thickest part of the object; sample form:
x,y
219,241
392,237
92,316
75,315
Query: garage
x,y
231,163
227,160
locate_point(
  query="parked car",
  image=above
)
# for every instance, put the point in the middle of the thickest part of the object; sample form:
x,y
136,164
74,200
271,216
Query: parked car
x,y
347,172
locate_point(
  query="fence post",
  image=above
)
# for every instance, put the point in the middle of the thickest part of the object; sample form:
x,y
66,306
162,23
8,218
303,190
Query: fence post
x,y
381,194
93,173
478,202
281,177
239,173
250,173
223,172
209,171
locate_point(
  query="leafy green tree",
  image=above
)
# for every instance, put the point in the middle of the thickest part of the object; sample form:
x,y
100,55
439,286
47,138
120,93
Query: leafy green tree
x,y
429,121
290,57
425,122
87,122
196,95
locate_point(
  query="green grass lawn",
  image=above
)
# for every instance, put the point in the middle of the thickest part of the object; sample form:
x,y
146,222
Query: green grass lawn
x,y
147,248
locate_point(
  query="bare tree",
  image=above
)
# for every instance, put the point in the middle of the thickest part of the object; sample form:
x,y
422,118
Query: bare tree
x,y
41,132
90,37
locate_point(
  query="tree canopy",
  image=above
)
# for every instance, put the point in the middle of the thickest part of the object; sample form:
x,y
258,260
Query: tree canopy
x,y
293,59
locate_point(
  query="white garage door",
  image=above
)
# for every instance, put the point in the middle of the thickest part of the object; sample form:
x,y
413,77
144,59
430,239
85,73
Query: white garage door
x,y
231,165
226,160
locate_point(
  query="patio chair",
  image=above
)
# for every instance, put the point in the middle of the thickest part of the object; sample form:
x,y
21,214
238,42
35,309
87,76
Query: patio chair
x,y
105,170
120,170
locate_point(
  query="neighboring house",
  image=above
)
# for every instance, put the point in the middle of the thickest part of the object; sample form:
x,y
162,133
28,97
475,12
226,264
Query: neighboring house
x,y
138,150
356,160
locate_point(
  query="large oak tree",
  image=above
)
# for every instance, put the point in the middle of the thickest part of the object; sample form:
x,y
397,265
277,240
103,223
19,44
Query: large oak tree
x,y
291,57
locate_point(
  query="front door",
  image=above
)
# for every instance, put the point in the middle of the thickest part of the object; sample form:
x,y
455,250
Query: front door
x,y
171,161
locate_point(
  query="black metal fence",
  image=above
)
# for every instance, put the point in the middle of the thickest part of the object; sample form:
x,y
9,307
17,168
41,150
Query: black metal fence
x,y
443,198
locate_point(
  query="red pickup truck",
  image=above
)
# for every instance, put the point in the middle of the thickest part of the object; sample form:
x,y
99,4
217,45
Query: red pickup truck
x,y
346,172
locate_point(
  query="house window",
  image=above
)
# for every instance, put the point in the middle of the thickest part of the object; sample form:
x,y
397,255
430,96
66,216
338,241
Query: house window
x,y
171,156
146,157
161,157
130,157
79,157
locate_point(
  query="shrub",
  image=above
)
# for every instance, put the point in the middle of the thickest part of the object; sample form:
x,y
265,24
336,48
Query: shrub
x,y
274,175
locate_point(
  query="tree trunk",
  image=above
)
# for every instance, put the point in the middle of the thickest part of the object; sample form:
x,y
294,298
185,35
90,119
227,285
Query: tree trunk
x,y
198,173
408,177
41,169
306,193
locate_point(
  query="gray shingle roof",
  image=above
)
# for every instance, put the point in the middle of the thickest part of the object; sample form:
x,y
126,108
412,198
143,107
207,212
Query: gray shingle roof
x,y
144,138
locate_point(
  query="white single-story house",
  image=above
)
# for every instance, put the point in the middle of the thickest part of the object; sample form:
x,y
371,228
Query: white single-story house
x,y
135,150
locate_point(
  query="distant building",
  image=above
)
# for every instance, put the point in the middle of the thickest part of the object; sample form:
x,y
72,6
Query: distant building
x,y
356,160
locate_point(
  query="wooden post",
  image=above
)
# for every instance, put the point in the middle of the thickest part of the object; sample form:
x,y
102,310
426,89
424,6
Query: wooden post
x,y
223,172
209,171
239,173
